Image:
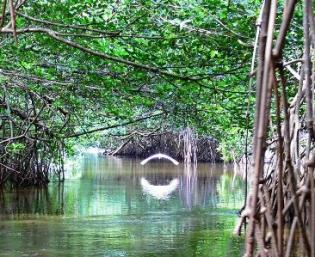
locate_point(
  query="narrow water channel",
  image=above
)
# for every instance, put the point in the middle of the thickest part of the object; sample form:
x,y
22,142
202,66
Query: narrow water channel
x,y
112,207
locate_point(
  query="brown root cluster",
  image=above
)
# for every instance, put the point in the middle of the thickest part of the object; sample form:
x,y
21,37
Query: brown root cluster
x,y
280,209
181,146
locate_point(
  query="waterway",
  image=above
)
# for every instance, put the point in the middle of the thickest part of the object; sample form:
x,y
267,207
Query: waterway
x,y
117,207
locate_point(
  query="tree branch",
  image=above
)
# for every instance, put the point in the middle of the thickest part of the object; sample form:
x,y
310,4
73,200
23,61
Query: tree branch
x,y
114,126
54,34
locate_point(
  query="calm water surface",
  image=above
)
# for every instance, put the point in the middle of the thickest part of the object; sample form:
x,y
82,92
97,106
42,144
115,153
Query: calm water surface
x,y
113,207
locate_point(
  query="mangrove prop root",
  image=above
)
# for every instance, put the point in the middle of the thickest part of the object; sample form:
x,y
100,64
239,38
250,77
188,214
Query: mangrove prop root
x,y
281,204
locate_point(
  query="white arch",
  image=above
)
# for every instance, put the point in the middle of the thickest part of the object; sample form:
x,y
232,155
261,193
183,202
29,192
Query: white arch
x,y
159,192
159,156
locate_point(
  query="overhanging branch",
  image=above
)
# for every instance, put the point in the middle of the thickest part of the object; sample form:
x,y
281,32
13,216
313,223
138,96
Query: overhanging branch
x,y
115,126
55,35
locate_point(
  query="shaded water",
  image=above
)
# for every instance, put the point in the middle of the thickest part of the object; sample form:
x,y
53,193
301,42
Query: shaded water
x,y
103,209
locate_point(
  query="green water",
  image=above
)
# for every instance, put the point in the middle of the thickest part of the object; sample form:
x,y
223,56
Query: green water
x,y
103,210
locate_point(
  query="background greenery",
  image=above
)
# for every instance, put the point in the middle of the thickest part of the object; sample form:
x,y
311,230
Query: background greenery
x,y
85,66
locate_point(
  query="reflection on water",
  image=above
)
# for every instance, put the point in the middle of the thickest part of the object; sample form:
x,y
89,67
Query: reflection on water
x,y
159,191
118,207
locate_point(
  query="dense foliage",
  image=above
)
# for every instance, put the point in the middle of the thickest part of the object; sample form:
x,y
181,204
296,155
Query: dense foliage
x,y
70,68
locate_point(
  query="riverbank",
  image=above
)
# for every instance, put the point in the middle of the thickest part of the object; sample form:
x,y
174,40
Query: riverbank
x,y
169,143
